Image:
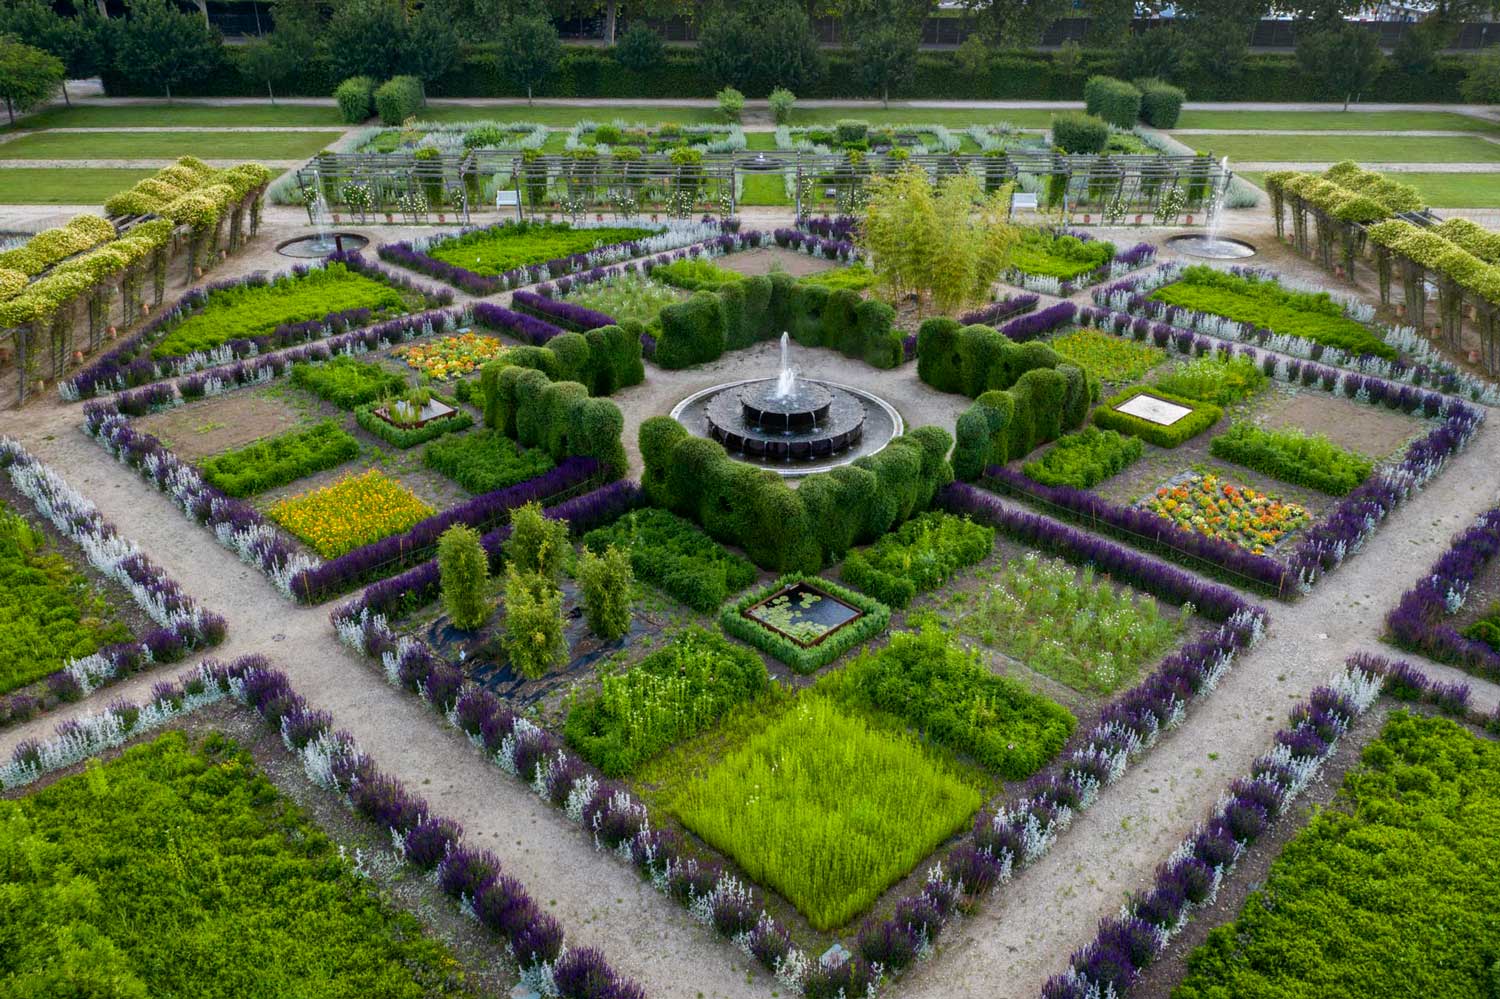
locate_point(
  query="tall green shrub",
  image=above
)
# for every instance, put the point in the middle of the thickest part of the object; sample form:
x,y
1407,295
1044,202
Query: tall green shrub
x,y
1116,101
465,573
1161,103
356,99
534,640
1079,133
606,581
398,99
537,544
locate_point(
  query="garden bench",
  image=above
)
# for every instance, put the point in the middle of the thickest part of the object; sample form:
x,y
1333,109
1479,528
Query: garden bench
x,y
509,199
1020,200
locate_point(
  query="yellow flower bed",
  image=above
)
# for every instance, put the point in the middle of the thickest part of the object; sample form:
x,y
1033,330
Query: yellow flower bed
x,y
452,356
1206,505
351,513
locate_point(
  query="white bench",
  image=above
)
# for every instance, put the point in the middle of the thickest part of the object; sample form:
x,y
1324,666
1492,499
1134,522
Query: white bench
x,y
1020,200
507,199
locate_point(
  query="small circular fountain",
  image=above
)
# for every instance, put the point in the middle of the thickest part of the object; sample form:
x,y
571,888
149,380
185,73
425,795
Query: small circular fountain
x,y
1212,247
322,244
790,424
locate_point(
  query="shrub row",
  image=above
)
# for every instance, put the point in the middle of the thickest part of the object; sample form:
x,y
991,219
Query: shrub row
x,y
1003,425
1292,456
355,98
1116,101
1085,459
605,358
672,554
398,99
1075,132
275,461
558,417
787,529
745,312
875,616
1203,416
408,437
971,360
920,555
484,461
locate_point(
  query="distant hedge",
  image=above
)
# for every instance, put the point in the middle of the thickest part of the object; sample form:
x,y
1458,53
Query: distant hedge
x,y
587,71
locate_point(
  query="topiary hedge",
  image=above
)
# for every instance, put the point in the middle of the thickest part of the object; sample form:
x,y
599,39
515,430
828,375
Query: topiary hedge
x,y
1006,424
781,528
398,99
559,416
356,99
1161,103
1116,101
1073,132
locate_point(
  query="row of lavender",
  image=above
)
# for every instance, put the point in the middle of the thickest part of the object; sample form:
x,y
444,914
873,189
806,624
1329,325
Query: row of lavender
x,y
1003,839
1191,877
1138,256
1419,622
1420,363
181,624
413,254
1347,526
131,364
333,760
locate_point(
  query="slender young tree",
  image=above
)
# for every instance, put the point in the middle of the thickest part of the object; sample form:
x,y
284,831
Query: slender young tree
x,y
464,571
606,581
885,57
529,52
28,76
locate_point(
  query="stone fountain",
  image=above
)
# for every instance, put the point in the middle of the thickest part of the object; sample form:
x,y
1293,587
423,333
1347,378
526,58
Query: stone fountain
x,y
1210,245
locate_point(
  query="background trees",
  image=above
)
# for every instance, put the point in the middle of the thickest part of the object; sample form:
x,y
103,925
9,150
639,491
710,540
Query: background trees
x,y
158,41
28,75
760,45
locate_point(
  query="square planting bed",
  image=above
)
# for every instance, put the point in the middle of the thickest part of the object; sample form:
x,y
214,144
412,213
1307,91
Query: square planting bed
x,y
805,621
1156,417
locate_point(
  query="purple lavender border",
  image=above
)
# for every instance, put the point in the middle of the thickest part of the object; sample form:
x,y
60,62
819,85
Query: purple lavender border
x,y
1419,621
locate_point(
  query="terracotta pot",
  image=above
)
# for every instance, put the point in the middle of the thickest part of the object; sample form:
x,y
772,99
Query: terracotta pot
x,y
1401,310
336,218
442,217
1473,357
112,332
1087,219
1189,220
389,218
77,357
1138,219
197,271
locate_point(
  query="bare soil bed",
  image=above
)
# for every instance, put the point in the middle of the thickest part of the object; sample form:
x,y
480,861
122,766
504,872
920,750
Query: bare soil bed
x,y
764,259
206,427
1372,431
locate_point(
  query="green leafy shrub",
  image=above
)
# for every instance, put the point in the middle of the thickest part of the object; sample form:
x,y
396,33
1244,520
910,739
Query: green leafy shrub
x,y
606,581
1003,425
780,804
855,277
347,383
731,103
244,864
558,417
537,544
407,437
1061,256
1203,416
1486,628
49,612
534,640
464,570
672,694
1085,459
484,460
1161,103
931,683
672,554
626,297
1215,380
782,101
356,99
1070,626
1073,132
1265,303
275,461
1390,890
255,310
874,616
497,249
695,274
920,555
1116,101
398,99
1292,456
1108,358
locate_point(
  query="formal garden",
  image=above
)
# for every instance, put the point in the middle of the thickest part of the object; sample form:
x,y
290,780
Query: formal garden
x,y
750,549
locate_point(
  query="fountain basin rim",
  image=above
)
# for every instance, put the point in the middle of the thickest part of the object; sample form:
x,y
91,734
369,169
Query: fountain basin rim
x,y
898,425
352,241
1182,241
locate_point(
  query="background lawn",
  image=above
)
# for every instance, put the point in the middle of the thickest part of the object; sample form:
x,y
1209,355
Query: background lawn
x,y
1442,190
1333,121
1330,149
138,115
764,189
76,186
166,145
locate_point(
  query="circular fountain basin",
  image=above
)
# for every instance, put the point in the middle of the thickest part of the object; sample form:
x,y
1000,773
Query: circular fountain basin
x,y
1212,247
818,426
314,247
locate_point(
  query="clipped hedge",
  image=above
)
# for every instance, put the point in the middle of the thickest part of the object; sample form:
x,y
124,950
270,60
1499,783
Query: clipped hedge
x,y
485,461
558,416
922,554
1161,103
674,555
787,529
1116,101
1005,424
398,99
1203,416
347,383
356,99
1073,132
1292,456
876,617
1085,459
972,360
407,437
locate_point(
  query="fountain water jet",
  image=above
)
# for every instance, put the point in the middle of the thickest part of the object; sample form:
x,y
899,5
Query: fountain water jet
x,y
1210,245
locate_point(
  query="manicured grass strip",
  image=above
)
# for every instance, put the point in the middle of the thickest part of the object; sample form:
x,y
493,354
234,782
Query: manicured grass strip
x,y
933,684
197,115
826,808
564,116
906,114
1333,121
668,696
485,460
49,612
177,869
1391,892
1293,456
674,555
1333,148
764,189
275,461
166,145
1456,190
73,186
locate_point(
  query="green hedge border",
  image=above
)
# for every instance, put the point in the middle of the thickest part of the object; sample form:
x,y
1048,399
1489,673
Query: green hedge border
x,y
877,618
1203,416
364,415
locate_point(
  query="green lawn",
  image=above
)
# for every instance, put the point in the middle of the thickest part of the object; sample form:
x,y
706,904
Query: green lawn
x,y
139,115
1333,121
564,116
166,145
1442,190
1332,148
764,189
903,114
75,186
